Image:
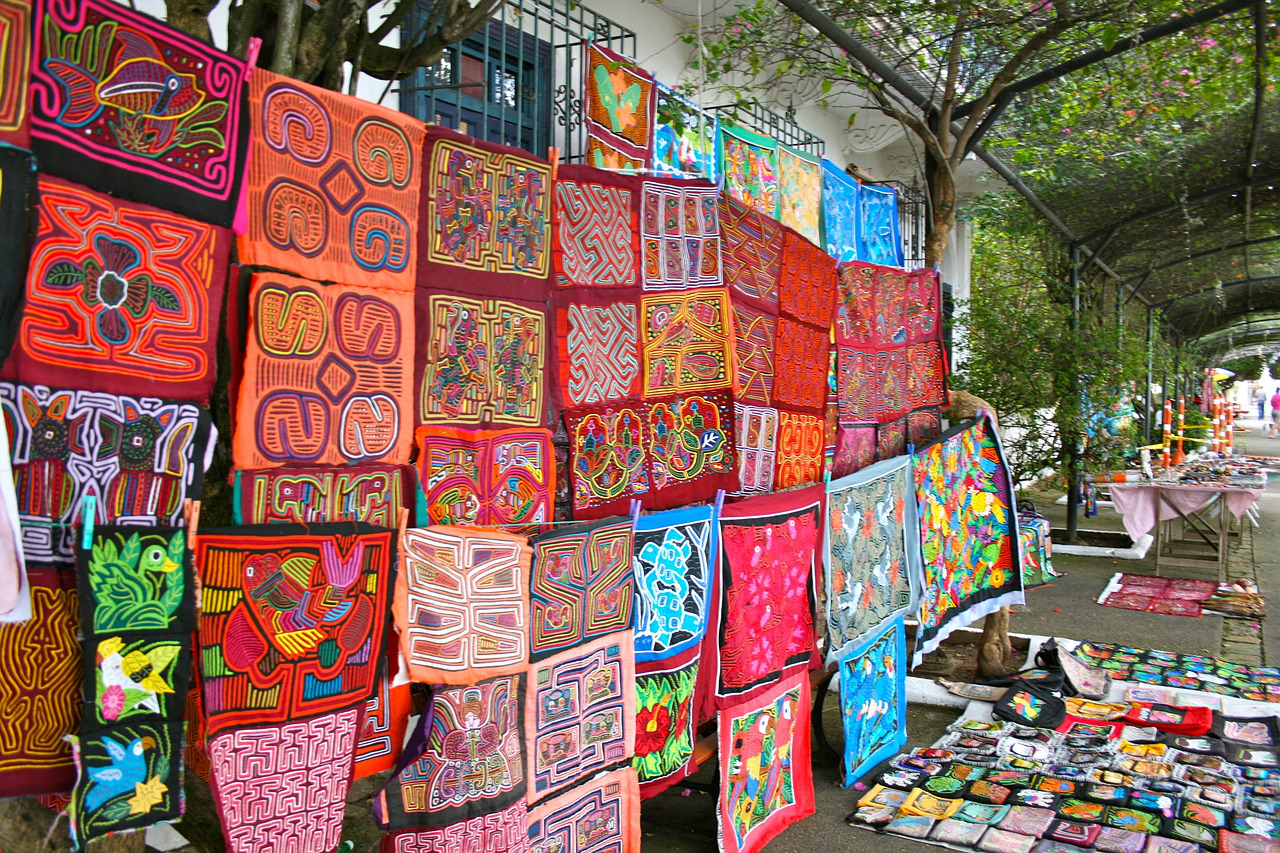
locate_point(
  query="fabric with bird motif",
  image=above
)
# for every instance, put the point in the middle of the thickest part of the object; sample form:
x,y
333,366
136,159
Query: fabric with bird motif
x,y
139,457
137,611
293,619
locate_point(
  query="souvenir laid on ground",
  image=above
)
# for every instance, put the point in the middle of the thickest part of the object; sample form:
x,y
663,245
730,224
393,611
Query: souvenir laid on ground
x,y
1169,596
1188,672
1083,789
969,543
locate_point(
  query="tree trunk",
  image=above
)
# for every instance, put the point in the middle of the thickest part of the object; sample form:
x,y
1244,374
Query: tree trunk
x,y
191,16
993,651
942,191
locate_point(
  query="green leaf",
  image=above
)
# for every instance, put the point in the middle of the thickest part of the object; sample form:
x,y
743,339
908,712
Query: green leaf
x,y
132,551
1110,35
161,766
162,656
164,297
64,274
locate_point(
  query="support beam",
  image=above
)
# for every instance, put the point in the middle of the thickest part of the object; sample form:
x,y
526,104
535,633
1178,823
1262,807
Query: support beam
x,y
1102,247
1244,282
1143,216
1072,441
1195,256
1093,57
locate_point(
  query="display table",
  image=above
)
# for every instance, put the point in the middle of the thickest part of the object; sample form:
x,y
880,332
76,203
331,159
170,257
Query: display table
x,y
1204,511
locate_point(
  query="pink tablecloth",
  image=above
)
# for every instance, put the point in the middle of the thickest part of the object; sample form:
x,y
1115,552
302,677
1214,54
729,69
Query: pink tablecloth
x,y
1137,502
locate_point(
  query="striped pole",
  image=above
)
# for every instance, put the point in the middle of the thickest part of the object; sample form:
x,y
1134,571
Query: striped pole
x,y
1166,433
1180,453
1231,429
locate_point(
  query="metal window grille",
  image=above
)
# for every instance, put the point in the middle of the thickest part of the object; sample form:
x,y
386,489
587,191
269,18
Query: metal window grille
x,y
518,81
768,123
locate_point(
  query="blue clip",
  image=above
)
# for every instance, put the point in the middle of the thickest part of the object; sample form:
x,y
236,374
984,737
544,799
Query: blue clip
x,y
88,514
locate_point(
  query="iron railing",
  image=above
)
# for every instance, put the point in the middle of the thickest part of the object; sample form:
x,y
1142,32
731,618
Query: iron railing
x,y
519,79
768,123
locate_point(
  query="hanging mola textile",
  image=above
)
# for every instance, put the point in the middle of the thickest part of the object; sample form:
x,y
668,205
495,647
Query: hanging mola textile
x,y
968,531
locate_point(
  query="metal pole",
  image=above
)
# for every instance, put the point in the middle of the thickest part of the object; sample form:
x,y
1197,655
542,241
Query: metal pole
x,y
1146,422
1072,439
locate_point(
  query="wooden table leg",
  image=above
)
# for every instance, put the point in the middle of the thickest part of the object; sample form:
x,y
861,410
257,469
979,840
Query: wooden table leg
x,y
1224,536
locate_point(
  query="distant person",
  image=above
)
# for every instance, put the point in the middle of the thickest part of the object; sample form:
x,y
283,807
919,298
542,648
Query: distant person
x,y
1260,400
1274,427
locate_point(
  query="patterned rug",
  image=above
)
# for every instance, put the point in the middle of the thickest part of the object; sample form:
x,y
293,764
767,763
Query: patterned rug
x,y
1169,596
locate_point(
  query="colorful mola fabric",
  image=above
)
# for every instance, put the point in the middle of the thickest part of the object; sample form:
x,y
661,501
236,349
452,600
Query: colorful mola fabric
x,y
873,699
763,619
130,778
41,681
478,478
462,603
800,192
505,831
766,779
137,109
580,713
582,585
679,234
674,553
840,213
619,112
968,531
333,187
666,732
596,234
326,375
15,69
889,344
599,816
465,760
480,362
127,297
373,493
138,457
486,218
879,235
283,786
749,163
872,561
293,620
685,149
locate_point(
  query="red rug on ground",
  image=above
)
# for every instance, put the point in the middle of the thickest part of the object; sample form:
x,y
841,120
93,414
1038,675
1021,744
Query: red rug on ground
x,y
1169,596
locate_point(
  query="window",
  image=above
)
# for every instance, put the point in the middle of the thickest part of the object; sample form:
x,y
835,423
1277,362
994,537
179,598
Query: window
x,y
518,81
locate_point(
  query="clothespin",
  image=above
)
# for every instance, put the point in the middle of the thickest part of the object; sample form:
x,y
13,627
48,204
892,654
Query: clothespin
x,y
553,156
88,515
251,56
635,511
191,512
719,501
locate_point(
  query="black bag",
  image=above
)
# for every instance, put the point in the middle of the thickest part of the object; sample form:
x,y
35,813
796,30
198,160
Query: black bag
x,y
1029,703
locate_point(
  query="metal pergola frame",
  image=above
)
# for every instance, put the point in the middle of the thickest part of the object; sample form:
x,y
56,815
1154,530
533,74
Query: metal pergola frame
x,y
1088,250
